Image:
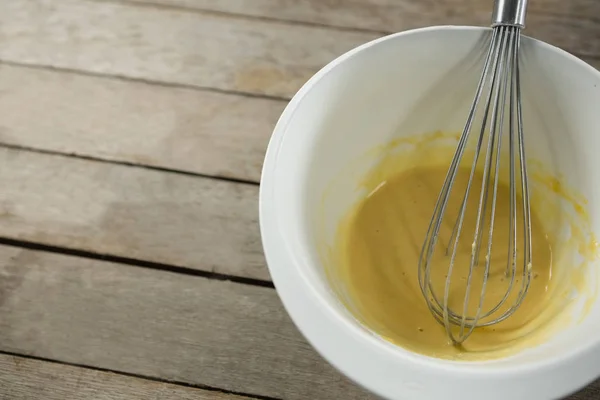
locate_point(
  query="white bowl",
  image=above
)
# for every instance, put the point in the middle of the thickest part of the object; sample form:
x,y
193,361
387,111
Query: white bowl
x,y
359,101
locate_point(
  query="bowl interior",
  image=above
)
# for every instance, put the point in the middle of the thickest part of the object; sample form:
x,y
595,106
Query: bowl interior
x,y
412,84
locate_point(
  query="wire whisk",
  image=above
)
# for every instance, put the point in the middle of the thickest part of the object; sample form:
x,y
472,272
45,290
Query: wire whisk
x,y
501,107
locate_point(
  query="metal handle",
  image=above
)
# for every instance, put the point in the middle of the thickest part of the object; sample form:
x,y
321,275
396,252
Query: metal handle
x,y
509,12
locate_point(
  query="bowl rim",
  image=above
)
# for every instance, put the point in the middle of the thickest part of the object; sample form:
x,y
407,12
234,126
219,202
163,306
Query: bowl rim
x,y
333,334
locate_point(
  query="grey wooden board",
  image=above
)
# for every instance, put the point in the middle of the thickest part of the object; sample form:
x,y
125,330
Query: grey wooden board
x,y
199,223
391,15
27,379
210,133
164,325
205,50
160,324
567,24
591,392
168,45
149,322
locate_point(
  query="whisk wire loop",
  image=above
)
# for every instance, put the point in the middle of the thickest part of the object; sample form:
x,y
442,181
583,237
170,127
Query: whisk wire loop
x,y
500,76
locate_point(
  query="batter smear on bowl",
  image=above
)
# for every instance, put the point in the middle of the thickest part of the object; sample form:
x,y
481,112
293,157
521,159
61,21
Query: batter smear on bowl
x,y
372,262
381,244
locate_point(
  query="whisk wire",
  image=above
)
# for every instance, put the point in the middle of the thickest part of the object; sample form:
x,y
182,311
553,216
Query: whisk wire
x,y
494,141
500,76
442,200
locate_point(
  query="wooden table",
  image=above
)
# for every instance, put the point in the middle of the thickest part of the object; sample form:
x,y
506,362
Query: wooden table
x,y
132,134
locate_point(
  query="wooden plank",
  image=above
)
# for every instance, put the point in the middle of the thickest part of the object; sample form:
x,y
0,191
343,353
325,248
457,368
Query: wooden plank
x,y
199,223
25,379
168,45
567,24
591,392
211,133
207,50
380,15
216,134
159,324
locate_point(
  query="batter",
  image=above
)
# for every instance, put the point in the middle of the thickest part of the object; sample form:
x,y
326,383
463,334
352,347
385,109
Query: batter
x,y
378,252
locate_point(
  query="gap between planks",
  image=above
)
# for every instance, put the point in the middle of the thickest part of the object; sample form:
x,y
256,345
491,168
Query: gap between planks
x,y
25,377
176,128
133,213
133,262
124,163
125,78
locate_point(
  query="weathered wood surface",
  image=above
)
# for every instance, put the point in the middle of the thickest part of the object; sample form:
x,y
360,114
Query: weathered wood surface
x,y
198,131
572,25
183,85
213,51
200,223
168,45
161,324
153,323
393,15
26,379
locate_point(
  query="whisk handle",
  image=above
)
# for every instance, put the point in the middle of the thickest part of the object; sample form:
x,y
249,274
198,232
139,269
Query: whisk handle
x,y
509,12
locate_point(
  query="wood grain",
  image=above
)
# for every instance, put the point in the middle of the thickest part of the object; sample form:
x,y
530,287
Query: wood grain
x,y
168,45
160,324
573,25
215,134
377,15
212,51
204,132
199,223
25,379
148,322
591,392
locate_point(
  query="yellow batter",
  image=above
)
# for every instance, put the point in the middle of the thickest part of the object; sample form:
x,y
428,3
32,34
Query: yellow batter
x,y
379,248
